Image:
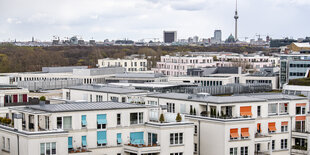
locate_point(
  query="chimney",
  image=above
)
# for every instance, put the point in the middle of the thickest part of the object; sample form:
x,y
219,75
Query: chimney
x,y
18,124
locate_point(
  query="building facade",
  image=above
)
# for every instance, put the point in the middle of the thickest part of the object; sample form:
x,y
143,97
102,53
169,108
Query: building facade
x,y
131,65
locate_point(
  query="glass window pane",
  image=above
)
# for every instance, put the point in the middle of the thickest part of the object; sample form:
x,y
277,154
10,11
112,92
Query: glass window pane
x,y
67,122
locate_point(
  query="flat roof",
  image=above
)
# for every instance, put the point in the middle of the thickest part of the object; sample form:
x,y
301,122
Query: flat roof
x,y
107,89
153,84
78,106
227,99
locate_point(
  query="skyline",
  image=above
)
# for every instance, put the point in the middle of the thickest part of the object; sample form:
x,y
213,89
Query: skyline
x,y
140,19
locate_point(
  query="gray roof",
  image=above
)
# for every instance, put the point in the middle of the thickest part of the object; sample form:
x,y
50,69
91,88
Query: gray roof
x,y
106,89
80,106
227,99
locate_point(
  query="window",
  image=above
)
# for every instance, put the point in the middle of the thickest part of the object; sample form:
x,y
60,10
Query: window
x,y
118,119
272,109
244,150
195,147
245,133
84,141
67,122
101,138
152,102
114,99
273,143
136,118
101,121
233,151
283,108
258,110
272,127
176,138
178,153
68,95
98,98
195,129
48,148
284,126
9,144
123,99
119,138
283,143
83,121
300,126
3,142
300,110
171,107
152,138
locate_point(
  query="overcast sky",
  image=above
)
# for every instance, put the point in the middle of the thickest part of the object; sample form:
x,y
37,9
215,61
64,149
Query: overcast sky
x,y
137,19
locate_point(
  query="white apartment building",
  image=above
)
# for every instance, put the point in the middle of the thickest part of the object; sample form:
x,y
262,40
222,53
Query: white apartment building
x,y
99,93
297,90
101,128
178,65
204,80
239,125
131,65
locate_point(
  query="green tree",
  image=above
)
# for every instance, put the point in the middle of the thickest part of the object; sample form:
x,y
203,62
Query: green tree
x,y
162,118
178,118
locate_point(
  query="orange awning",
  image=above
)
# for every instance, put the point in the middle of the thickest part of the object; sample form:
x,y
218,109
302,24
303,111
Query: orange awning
x,y
300,118
301,104
234,133
246,111
284,123
245,132
272,126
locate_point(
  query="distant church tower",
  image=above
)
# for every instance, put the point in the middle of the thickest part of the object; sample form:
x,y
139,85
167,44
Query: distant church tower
x,y
236,22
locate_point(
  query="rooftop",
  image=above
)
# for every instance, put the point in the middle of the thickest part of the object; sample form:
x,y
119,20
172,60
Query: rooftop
x,y
300,82
77,106
227,99
138,75
107,89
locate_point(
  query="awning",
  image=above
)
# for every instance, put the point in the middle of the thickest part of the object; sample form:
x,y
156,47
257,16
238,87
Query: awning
x,y
301,104
258,127
234,133
119,138
70,143
300,118
136,138
245,132
272,126
84,122
284,123
102,119
84,142
101,137
246,111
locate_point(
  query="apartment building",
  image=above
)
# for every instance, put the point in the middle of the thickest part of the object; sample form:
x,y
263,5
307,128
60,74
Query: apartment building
x,y
131,65
99,93
178,65
109,128
239,125
293,67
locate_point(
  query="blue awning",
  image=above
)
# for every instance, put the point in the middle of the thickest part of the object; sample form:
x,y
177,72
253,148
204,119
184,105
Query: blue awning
x,y
70,143
136,138
102,119
84,142
101,137
84,122
119,138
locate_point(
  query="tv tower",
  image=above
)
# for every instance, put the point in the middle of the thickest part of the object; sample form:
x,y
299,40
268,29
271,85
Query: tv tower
x,y
236,22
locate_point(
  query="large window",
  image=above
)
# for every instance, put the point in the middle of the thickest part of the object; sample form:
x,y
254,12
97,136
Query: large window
x,y
300,110
101,121
48,148
98,98
176,138
300,126
272,109
284,126
283,108
64,122
136,118
244,150
283,143
171,107
101,138
151,138
233,151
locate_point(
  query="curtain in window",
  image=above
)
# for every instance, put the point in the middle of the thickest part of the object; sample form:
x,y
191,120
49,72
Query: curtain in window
x,y
102,119
272,108
84,120
101,137
84,142
119,138
136,138
42,149
67,122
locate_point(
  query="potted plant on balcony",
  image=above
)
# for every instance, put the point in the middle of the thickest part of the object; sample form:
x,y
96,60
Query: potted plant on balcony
x,y
161,118
178,118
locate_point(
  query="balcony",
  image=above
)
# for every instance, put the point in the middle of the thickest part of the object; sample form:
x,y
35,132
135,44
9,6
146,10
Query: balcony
x,y
141,149
80,151
299,149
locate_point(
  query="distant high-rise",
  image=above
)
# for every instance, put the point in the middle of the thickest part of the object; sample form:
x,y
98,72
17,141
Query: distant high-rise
x,y
218,35
170,36
236,22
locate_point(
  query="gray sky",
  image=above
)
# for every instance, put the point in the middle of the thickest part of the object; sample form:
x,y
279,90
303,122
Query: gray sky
x,y
137,19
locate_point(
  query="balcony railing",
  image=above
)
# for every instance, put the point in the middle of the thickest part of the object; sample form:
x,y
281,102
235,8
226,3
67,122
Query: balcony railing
x,y
297,147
